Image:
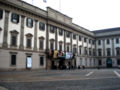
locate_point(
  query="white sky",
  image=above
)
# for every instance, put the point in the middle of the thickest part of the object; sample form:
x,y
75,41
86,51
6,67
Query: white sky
x,y
90,14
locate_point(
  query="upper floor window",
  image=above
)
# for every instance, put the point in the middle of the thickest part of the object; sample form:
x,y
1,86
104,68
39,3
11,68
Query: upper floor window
x,y
15,18
117,51
29,22
118,61
99,42
85,51
68,48
80,50
13,59
79,38
94,53
85,39
99,52
108,41
60,47
89,41
1,14
68,34
60,32
14,34
52,29
90,52
108,52
93,42
117,40
74,36
74,49
29,40
42,26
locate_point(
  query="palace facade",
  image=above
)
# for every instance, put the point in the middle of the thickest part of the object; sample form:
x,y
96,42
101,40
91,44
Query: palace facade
x,y
29,34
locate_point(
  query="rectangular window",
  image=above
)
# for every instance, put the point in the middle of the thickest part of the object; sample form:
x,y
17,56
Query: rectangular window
x,y
80,50
68,34
85,51
85,39
41,61
74,50
41,44
13,59
99,52
89,51
13,41
117,40
117,51
93,42
15,18
41,26
99,62
89,41
94,52
28,43
74,36
29,22
67,48
52,46
108,41
108,52
52,29
99,42
1,14
60,47
118,61
60,32
79,38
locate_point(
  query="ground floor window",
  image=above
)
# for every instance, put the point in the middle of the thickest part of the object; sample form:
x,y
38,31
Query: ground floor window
x,y
41,60
13,59
99,62
118,61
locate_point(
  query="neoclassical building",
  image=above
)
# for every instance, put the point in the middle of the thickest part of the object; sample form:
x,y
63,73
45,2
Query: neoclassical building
x,y
28,34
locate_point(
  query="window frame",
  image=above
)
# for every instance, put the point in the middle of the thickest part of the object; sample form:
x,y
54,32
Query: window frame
x,y
1,14
41,26
29,23
41,60
15,18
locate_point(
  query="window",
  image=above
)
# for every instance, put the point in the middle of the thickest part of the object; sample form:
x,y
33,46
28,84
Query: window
x,y
118,61
79,38
41,44
93,42
85,51
117,51
60,32
99,42
68,34
52,29
41,61
74,36
13,59
67,48
13,40
99,52
117,40
1,14
90,51
29,22
60,47
74,50
52,45
99,62
15,18
94,53
41,26
108,41
89,41
85,39
28,43
80,50
108,52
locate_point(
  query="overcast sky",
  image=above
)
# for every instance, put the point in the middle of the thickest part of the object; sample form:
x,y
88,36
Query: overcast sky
x,y
90,14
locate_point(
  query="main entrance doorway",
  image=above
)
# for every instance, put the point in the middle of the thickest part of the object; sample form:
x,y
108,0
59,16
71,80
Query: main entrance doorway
x,y
109,62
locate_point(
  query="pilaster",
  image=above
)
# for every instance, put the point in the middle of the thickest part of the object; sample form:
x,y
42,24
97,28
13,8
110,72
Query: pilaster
x,y
64,40
6,24
35,36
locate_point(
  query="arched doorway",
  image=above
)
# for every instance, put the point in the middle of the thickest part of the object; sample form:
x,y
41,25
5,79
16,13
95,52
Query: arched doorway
x,y
109,62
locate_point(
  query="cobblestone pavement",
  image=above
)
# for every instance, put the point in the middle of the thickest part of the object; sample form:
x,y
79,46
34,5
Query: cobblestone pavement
x,y
88,79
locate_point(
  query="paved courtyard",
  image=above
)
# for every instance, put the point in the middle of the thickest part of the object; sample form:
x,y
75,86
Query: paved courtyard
x,y
88,79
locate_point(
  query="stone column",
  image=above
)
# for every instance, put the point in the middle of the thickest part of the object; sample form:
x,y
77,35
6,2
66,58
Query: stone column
x,y
22,33
64,40
82,47
113,51
56,39
6,22
71,39
77,43
35,36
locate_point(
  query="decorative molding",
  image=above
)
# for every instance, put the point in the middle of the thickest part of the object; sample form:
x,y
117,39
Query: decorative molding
x,y
14,32
52,40
42,38
29,35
